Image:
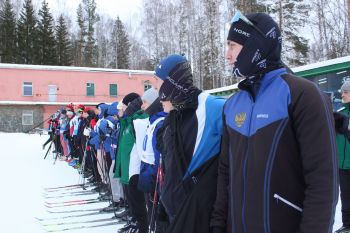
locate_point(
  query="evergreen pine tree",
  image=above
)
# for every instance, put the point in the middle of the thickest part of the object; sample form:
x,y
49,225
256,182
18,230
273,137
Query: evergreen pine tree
x,y
47,43
80,41
90,47
27,52
63,46
7,34
122,46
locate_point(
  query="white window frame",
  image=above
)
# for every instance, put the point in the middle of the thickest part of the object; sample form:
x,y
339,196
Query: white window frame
x,y
27,117
147,85
25,84
88,85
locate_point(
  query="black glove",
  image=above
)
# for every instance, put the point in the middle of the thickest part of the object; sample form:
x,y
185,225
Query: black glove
x,y
341,122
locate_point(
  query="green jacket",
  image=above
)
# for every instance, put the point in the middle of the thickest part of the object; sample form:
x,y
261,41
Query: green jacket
x,y
343,144
125,145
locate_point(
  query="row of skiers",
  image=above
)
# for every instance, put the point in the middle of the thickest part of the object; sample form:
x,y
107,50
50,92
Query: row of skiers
x,y
265,160
138,149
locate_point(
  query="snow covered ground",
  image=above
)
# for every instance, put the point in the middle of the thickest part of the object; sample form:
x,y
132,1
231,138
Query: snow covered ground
x,y
24,175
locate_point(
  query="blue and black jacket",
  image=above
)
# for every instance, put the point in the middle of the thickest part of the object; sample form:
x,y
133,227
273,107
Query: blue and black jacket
x,y
278,164
188,192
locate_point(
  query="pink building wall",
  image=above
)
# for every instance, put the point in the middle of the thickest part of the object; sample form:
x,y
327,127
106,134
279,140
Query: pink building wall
x,y
71,85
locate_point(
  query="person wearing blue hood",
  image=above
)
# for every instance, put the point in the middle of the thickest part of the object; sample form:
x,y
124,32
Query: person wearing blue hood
x,y
99,146
189,143
278,162
110,130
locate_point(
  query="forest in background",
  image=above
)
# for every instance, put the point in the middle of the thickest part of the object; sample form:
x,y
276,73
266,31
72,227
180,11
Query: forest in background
x,y
312,31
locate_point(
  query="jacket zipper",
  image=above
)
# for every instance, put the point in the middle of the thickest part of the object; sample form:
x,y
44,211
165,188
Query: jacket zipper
x,y
245,166
268,171
278,197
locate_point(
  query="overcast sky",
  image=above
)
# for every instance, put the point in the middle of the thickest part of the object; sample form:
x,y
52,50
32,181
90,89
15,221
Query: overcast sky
x,y
127,10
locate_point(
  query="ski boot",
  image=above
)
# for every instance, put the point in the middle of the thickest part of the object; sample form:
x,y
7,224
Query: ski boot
x,y
130,227
122,213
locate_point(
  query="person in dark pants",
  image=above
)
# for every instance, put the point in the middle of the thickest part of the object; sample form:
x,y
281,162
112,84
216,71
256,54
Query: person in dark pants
x,y
344,161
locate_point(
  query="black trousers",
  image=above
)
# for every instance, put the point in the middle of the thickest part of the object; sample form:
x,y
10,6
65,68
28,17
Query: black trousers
x,y
94,164
58,145
137,204
108,161
344,180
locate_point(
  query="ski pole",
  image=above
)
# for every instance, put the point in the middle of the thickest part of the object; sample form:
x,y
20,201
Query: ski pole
x,y
48,150
37,125
107,178
55,138
158,179
82,168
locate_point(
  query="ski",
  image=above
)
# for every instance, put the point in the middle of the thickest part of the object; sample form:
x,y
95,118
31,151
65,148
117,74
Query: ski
x,y
74,204
81,222
68,192
72,211
83,187
72,201
91,213
64,187
82,227
82,193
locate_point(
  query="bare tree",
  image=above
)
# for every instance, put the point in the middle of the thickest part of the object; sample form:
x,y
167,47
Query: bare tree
x,y
331,36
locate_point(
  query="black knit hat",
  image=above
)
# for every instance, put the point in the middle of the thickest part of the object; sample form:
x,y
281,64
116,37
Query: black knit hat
x,y
130,97
239,32
178,83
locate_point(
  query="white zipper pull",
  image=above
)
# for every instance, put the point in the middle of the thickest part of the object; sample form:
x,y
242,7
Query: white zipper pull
x,y
278,197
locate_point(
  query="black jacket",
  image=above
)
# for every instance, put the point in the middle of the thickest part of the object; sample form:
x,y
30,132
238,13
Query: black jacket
x,y
278,168
172,192
189,146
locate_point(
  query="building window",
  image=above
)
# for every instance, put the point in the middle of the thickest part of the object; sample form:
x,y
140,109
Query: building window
x,y
27,89
27,117
90,89
147,85
113,89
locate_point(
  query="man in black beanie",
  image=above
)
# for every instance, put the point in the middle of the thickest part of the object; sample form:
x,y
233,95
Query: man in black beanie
x,y
129,98
278,166
189,143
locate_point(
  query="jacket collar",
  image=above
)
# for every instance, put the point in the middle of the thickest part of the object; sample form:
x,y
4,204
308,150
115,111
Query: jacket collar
x,y
254,84
156,116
